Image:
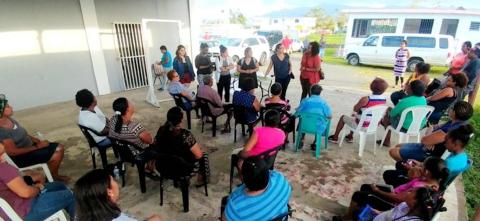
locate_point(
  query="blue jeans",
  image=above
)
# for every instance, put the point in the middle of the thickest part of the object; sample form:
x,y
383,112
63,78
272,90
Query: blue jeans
x,y
56,196
105,143
413,151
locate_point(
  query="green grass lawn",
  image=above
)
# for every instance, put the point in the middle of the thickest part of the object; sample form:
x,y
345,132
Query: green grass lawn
x,y
334,39
472,176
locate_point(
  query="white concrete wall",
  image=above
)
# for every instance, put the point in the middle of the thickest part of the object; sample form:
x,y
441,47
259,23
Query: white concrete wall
x,y
44,54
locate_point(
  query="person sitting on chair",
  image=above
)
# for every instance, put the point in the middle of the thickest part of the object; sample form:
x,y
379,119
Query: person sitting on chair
x,y
378,87
246,98
444,98
421,73
30,197
415,98
433,144
122,127
457,161
316,105
263,196
173,139
92,117
276,91
433,175
175,87
205,91
25,149
97,195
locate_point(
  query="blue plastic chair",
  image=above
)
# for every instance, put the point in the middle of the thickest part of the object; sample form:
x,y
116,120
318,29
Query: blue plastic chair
x,y
307,124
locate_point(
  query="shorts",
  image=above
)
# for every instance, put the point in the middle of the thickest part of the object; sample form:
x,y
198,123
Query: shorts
x,y
35,157
350,121
415,151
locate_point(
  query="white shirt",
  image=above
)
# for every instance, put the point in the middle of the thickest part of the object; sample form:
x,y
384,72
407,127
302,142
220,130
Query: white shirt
x,y
95,121
124,217
219,62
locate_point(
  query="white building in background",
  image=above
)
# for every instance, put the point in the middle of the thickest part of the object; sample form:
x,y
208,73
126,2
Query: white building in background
x,y
299,26
49,49
463,25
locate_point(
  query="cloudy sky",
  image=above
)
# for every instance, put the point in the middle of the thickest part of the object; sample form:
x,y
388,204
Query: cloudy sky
x,y
210,8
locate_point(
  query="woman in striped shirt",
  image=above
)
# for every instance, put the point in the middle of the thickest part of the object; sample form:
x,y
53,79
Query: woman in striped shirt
x,y
401,58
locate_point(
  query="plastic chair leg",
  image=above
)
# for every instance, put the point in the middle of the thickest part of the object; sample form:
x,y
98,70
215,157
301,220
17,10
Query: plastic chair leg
x,y
401,137
363,138
235,132
46,170
92,153
318,145
161,191
184,187
214,126
375,144
297,141
141,177
342,137
189,120
385,135
232,168
203,122
103,157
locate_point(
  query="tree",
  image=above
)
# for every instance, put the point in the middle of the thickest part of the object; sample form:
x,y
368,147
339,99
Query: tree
x,y
323,21
236,17
341,20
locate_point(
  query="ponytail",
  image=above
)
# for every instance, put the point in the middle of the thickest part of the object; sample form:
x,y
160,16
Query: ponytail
x,y
463,134
438,170
120,106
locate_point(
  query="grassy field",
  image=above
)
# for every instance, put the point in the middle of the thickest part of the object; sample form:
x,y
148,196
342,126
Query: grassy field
x,y
472,176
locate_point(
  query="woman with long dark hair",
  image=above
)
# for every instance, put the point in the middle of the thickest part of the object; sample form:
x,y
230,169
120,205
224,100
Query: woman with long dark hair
x,y
175,140
97,195
310,68
282,68
183,65
122,127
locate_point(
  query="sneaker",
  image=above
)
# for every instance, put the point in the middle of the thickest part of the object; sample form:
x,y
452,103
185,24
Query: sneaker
x,y
349,139
332,139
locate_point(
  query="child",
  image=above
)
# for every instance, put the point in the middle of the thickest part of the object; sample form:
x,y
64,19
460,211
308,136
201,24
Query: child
x,y
401,57
378,87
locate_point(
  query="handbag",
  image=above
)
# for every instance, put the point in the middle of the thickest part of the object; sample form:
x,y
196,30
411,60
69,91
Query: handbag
x,y
321,74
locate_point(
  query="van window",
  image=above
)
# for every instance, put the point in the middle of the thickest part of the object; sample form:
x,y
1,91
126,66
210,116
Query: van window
x,y
392,41
251,41
263,40
443,43
421,42
371,41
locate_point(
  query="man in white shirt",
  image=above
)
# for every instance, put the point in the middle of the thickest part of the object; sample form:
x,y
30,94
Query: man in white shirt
x,y
92,117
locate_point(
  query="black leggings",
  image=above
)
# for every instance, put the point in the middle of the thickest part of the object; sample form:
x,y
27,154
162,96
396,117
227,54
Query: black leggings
x,y
367,196
224,85
396,80
396,177
284,83
305,87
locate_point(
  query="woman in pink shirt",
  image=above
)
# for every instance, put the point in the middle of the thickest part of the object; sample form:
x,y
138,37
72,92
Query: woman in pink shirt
x,y
310,68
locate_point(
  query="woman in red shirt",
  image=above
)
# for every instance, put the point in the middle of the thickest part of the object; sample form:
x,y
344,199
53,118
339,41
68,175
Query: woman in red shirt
x,y
310,68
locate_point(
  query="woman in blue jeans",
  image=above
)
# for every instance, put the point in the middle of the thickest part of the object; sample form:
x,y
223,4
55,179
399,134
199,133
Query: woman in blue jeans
x,y
29,197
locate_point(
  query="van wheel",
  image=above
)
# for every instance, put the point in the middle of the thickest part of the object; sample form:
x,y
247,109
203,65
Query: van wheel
x,y
263,59
412,64
353,59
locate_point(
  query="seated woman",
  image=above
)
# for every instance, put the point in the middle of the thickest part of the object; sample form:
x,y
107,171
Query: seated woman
x,y
92,117
457,162
246,98
421,73
442,99
433,144
415,98
25,149
29,197
122,127
433,175
205,91
176,87
417,206
378,87
284,106
97,195
173,139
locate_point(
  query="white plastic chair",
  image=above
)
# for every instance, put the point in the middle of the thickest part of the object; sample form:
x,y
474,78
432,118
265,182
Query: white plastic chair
x,y
377,113
44,167
5,206
419,113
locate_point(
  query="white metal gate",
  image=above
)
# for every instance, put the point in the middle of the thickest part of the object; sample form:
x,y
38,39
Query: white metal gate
x,y
131,54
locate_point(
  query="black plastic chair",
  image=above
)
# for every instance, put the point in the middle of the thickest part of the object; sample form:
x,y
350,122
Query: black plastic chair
x,y
288,127
93,145
206,112
284,216
178,98
269,156
130,153
239,114
175,168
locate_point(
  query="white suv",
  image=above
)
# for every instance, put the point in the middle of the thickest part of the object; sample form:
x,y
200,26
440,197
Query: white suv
x,y
380,49
236,47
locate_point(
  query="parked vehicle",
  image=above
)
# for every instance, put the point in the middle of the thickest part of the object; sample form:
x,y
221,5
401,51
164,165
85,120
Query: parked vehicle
x,y
296,46
380,49
236,47
272,36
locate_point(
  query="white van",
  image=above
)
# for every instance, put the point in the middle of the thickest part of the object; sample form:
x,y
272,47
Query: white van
x,y
236,47
380,49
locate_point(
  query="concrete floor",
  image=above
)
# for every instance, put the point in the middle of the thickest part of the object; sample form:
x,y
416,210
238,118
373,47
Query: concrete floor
x,y
321,188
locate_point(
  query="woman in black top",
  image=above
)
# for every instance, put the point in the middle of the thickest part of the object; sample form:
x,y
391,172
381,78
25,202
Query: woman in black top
x,y
280,62
172,139
248,67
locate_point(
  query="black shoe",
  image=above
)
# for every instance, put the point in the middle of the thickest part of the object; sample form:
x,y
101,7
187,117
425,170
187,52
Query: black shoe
x,y
336,218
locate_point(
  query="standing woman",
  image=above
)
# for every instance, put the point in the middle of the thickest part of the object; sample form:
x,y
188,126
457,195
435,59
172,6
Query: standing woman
x,y
401,57
183,65
224,66
282,68
248,67
310,68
